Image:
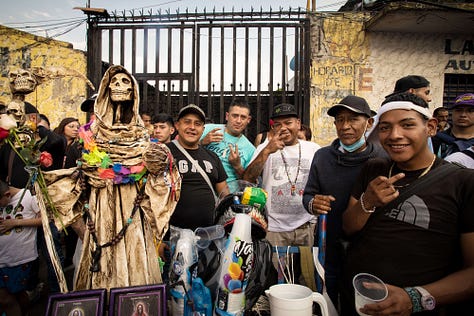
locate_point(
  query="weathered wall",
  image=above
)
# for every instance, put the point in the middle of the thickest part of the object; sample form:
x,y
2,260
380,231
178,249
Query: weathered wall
x,y
394,55
57,98
339,67
346,59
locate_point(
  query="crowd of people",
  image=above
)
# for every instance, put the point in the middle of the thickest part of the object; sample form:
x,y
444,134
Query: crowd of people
x,y
394,204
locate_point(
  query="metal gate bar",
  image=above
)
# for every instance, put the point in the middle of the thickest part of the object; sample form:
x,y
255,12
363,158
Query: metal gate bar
x,y
183,77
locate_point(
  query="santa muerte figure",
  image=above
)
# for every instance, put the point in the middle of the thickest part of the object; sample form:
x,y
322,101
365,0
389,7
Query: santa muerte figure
x,y
132,187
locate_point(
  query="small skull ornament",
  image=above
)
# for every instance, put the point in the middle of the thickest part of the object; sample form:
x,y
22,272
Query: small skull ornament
x,y
16,110
22,81
121,88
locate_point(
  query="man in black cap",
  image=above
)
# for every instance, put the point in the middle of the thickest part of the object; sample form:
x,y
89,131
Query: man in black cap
x,y
203,177
414,84
284,163
332,175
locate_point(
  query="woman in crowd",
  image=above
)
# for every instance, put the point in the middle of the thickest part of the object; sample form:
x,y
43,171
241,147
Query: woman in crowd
x,y
69,128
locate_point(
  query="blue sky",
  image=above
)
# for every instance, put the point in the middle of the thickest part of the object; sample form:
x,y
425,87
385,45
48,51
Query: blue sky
x,y
58,19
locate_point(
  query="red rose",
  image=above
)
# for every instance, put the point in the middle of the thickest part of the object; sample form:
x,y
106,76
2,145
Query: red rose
x,y
3,133
46,160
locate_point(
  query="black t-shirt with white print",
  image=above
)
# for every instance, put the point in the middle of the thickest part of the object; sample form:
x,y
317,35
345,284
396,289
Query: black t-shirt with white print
x,y
196,204
417,241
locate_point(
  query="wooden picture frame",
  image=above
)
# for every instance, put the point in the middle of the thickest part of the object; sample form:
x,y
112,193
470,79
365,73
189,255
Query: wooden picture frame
x,y
127,300
79,303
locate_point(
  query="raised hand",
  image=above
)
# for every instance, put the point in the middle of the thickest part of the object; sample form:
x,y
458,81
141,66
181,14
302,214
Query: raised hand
x,y
381,191
322,204
214,136
234,157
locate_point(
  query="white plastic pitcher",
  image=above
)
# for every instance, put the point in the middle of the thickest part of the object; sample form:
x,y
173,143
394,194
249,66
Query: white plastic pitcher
x,y
294,300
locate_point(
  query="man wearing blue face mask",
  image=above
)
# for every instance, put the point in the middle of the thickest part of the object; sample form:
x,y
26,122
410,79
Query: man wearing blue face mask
x,y
332,175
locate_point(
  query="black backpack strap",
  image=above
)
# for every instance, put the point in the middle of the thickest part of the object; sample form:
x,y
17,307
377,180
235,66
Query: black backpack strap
x,y
423,183
469,153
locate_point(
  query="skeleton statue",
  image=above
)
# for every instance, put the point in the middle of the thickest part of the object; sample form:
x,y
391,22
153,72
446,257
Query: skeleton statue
x,y
130,218
22,82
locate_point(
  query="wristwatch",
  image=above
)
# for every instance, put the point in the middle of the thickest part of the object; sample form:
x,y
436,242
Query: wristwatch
x,y
428,302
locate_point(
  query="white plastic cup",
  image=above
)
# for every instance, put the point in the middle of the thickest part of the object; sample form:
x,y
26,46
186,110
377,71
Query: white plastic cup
x,y
368,289
221,128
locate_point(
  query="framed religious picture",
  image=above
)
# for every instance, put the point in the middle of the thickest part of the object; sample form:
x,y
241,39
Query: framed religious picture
x,y
148,300
79,303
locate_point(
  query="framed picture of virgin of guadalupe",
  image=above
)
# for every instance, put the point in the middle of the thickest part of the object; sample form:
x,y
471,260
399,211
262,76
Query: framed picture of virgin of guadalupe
x,y
148,300
79,303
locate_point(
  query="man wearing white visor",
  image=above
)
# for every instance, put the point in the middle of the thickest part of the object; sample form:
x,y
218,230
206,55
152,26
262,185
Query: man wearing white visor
x,y
411,220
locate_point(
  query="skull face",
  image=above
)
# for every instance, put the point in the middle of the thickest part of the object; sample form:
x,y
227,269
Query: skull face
x,y
121,88
22,81
16,110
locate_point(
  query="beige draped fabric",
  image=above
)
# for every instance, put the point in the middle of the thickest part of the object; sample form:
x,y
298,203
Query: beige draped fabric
x,y
134,259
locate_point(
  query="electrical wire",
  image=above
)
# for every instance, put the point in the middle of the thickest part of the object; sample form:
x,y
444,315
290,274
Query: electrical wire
x,y
51,27
40,27
44,21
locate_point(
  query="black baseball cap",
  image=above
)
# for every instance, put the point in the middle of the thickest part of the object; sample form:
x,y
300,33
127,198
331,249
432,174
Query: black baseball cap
x,y
88,104
284,109
409,82
352,103
30,108
194,109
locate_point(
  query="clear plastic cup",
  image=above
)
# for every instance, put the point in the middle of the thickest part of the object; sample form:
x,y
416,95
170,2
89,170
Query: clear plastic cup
x,y
208,234
368,289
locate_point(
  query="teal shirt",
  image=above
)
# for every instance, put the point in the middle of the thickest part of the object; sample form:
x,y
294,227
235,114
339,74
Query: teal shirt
x,y
221,149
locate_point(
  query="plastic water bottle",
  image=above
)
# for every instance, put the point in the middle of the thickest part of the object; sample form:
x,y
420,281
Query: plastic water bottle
x,y
184,256
235,268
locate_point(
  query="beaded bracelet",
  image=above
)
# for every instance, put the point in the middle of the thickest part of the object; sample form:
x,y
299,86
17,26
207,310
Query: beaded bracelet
x,y
363,206
415,298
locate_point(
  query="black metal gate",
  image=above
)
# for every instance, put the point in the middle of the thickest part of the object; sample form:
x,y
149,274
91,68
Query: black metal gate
x,y
208,59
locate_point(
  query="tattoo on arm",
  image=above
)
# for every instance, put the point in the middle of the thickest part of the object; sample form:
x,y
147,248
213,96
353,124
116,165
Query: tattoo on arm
x,y
254,169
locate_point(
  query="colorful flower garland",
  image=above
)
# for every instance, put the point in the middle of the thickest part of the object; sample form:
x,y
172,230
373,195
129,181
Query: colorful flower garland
x,y
106,167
